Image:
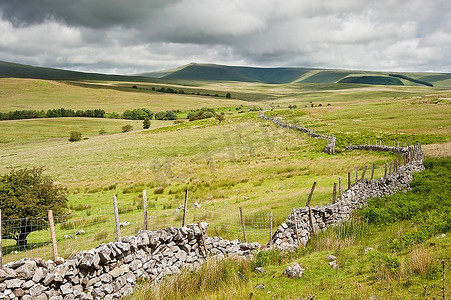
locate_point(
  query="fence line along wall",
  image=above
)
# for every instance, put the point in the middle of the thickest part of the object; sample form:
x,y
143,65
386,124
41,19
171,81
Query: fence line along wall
x,y
329,148
302,222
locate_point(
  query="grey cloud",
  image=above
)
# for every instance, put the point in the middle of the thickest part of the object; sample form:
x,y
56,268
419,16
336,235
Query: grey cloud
x,y
137,35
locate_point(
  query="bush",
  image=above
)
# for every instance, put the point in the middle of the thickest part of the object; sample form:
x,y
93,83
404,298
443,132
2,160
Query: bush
x,y
166,115
203,113
127,128
146,123
75,136
385,266
137,114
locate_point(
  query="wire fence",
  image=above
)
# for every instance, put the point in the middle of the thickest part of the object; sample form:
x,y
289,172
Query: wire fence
x,y
31,237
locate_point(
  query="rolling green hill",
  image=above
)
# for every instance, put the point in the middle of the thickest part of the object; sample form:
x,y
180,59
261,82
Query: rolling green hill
x,y
8,69
213,72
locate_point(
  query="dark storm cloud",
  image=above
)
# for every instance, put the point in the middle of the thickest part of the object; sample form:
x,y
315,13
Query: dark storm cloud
x,y
138,35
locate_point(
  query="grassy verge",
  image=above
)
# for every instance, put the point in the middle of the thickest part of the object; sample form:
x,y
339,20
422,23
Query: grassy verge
x,y
414,271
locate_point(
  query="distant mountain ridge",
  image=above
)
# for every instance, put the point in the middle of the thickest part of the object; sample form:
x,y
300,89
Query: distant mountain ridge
x,y
214,72
14,70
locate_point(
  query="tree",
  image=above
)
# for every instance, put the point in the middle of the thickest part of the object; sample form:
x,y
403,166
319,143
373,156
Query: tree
x,y
146,123
220,117
228,96
25,196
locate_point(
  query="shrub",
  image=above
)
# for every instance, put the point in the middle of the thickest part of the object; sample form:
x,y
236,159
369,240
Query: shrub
x,y
166,115
75,136
127,128
137,114
228,95
146,123
202,113
384,266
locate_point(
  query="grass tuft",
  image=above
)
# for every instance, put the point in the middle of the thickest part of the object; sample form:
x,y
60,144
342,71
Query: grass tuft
x,y
212,277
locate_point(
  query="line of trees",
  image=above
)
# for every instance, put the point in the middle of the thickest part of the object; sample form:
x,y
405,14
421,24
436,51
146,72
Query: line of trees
x,y
52,113
135,114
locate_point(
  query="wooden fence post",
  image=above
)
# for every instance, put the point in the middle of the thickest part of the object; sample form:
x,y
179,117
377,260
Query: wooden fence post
x,y
385,172
310,216
270,229
1,248
184,207
311,194
356,174
242,225
349,180
372,172
390,170
52,234
116,220
340,188
334,193
363,172
145,208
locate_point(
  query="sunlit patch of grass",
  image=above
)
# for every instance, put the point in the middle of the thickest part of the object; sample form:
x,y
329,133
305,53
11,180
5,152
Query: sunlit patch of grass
x,y
214,276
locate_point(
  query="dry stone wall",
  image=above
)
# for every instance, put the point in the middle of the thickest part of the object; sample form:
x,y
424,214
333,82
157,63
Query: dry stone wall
x,y
299,226
111,270
329,148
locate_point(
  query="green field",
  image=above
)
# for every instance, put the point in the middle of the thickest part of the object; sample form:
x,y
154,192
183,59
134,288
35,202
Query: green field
x,y
243,162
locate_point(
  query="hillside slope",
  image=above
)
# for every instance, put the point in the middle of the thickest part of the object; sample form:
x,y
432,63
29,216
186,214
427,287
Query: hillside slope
x,y
14,70
213,72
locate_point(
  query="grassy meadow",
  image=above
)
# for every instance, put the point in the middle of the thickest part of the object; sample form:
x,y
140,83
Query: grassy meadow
x,y
242,162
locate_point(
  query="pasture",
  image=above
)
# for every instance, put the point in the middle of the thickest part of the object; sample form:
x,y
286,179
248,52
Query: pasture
x,y
242,162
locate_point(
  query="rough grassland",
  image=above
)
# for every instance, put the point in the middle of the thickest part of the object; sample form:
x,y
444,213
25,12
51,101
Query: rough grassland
x,y
22,94
243,162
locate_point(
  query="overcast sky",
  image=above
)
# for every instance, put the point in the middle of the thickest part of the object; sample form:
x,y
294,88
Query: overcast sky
x,y
130,36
